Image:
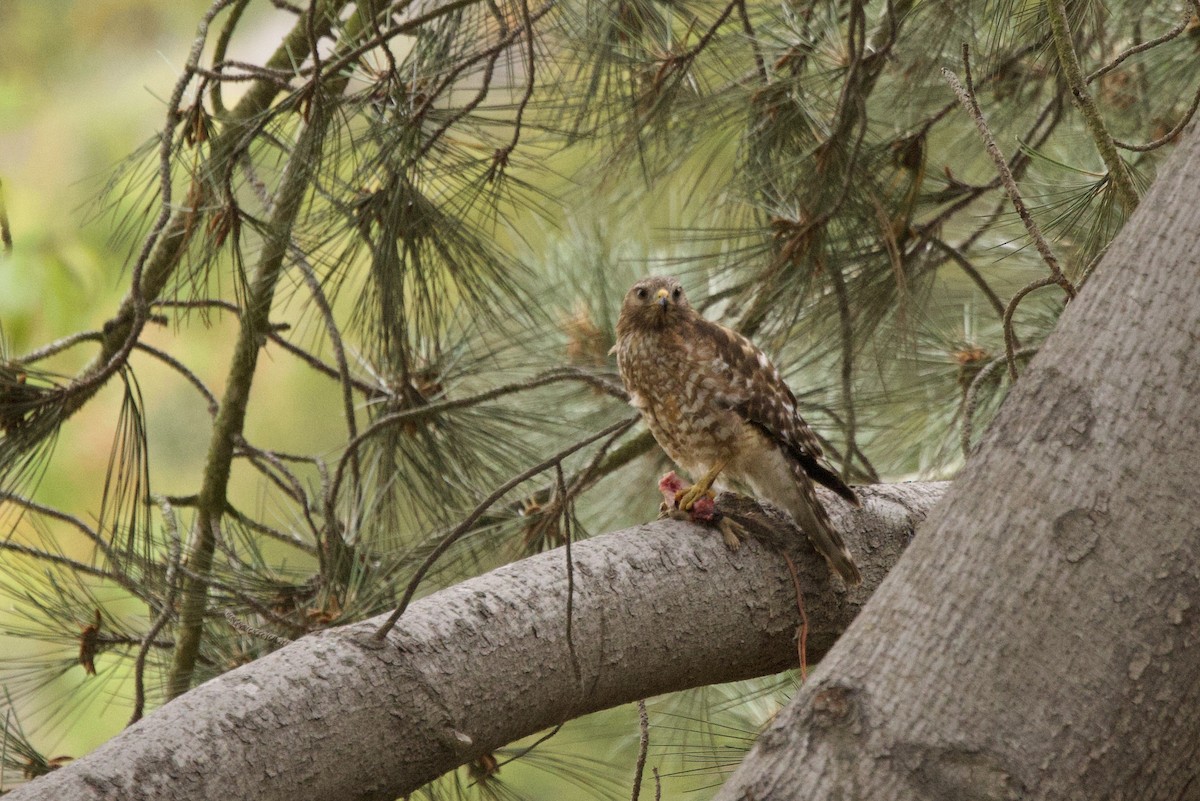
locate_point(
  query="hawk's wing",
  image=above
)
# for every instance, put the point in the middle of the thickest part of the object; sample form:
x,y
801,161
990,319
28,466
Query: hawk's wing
x,y
757,392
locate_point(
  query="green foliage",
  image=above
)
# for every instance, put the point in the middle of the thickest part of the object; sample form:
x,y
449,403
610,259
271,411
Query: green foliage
x,y
420,219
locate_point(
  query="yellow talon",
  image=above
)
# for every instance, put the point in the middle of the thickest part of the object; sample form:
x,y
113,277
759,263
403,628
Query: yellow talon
x,y
685,499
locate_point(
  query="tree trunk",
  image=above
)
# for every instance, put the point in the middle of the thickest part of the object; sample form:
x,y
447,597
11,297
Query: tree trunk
x,y
1039,640
332,716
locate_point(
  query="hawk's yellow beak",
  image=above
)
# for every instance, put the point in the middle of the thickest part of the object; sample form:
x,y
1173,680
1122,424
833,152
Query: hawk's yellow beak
x,y
662,296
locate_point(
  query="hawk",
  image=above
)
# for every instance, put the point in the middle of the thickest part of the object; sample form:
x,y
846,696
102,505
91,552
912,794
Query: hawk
x,y
717,406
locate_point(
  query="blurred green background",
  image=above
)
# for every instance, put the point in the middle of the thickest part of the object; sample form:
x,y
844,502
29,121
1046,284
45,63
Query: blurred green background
x,y
82,86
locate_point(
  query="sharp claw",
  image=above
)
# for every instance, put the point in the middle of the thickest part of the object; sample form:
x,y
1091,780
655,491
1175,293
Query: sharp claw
x,y
685,499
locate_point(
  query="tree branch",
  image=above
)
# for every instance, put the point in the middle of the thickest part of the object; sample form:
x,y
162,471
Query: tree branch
x,y
1118,170
660,607
1046,614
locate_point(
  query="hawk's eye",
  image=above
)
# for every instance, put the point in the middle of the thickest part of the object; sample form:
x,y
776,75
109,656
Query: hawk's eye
x,y
677,293
642,293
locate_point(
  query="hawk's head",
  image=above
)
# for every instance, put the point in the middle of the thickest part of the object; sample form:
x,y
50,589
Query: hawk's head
x,y
653,303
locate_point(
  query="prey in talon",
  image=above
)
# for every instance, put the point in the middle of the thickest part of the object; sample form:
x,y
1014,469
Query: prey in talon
x,y
681,503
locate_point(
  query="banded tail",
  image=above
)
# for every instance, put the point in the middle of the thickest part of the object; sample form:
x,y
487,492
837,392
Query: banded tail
x,y
806,509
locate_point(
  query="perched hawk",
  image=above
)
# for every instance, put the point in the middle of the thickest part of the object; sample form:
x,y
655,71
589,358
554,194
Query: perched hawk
x,y
717,405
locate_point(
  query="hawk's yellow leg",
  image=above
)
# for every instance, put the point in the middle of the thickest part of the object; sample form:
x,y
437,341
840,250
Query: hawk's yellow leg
x,y
686,498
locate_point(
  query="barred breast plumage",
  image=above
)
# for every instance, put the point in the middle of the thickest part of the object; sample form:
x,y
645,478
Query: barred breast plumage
x,y
714,402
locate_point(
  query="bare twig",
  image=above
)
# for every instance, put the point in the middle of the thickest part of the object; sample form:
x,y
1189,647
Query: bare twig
x,y
6,241
802,630
314,49
286,480
251,72
280,476
386,48
502,157
851,101
549,504
58,559
170,244
643,750
964,263
204,303
1045,124
1170,135
747,28
273,334
115,574
526,750
339,353
707,36
59,345
254,631
1140,48
179,367
164,614
219,50
847,334
966,96
1039,132
269,531
566,524
971,395
584,479
601,465
345,59
320,366
62,517
292,191
1010,336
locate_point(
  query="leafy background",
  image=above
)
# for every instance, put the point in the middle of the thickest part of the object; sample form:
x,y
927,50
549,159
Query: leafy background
x,y
631,160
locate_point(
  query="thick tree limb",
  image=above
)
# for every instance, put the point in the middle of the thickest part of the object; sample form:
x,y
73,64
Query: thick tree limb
x,y
657,608
1040,639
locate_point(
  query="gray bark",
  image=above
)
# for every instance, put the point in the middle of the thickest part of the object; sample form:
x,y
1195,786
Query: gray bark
x,y
1041,637
657,608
